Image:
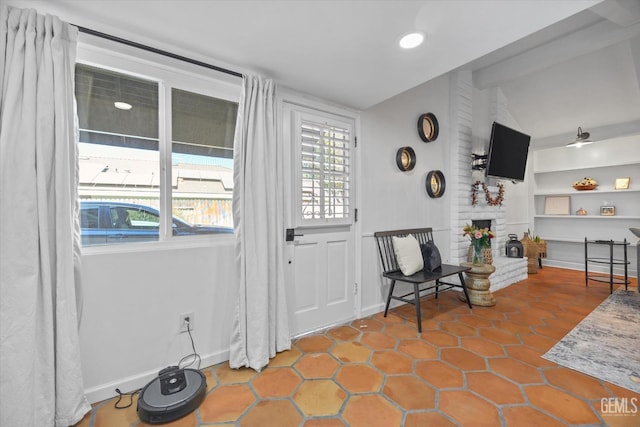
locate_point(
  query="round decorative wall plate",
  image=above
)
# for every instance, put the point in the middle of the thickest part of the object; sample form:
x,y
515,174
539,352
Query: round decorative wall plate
x,y
435,184
406,158
428,127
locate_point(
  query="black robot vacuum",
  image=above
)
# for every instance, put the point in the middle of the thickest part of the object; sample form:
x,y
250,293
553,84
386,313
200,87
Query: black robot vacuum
x,y
172,395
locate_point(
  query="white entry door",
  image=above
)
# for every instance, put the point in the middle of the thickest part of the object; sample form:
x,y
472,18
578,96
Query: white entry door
x,y
320,269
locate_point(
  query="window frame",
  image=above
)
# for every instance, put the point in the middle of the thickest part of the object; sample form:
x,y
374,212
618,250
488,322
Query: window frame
x,y
168,73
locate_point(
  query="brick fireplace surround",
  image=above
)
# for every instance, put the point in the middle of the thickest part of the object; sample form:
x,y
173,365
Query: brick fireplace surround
x,y
508,270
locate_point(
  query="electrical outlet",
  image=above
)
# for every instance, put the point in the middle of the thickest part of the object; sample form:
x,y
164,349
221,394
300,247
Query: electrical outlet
x,y
186,318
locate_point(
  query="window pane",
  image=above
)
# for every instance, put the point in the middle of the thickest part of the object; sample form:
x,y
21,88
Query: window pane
x,y
118,154
325,171
202,156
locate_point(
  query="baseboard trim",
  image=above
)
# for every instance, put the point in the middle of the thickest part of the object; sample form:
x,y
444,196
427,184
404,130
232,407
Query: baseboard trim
x,y
135,382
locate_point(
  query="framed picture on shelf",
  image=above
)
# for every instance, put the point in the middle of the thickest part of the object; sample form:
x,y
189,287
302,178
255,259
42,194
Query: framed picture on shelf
x,y
557,205
607,210
622,183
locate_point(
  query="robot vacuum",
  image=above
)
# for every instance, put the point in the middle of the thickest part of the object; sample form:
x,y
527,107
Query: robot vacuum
x,y
172,395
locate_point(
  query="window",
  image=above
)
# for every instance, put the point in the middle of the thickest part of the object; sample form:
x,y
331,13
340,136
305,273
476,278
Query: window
x,y
324,170
130,114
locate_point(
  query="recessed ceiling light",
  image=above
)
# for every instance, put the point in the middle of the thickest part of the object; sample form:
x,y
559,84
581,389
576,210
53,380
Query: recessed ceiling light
x,y
122,105
411,40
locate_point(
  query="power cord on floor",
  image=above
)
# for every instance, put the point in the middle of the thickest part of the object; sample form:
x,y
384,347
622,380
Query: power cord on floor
x,y
121,394
195,356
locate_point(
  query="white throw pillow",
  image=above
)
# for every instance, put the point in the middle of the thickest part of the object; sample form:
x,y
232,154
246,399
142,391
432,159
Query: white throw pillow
x,y
408,254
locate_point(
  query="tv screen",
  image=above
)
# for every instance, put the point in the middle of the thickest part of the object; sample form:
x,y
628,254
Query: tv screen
x,y
508,150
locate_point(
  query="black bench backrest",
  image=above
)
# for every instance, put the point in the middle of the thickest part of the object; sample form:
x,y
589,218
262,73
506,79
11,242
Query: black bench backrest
x,y
385,245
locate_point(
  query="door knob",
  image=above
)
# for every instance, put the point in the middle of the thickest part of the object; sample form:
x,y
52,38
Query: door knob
x,y
291,234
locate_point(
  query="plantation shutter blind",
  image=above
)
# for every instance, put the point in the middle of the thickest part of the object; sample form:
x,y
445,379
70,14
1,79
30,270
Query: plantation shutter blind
x,y
325,166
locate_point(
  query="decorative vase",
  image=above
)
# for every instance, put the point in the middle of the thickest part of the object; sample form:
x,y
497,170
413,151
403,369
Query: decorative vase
x,y
478,256
487,256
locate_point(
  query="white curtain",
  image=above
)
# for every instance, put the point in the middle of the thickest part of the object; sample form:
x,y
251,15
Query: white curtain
x,y
40,374
260,324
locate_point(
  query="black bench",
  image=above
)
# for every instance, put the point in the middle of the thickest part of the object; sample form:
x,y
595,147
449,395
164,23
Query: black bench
x,y
391,270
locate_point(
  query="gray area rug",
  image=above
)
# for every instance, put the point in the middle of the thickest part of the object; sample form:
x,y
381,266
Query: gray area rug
x,y
606,343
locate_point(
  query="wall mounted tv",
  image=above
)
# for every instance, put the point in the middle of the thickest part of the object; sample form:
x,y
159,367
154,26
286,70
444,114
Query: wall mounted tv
x,y
508,150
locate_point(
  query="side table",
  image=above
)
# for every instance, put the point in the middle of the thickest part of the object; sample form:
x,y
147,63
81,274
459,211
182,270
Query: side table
x,y
478,284
610,261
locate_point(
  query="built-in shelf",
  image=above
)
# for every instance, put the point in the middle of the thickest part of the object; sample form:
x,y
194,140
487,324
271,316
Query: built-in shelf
x,y
585,168
557,169
604,217
604,190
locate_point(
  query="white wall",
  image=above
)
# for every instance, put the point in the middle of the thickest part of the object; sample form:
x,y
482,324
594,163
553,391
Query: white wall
x,y
392,199
132,303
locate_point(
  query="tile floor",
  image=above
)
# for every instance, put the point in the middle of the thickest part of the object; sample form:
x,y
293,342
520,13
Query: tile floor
x,y
479,367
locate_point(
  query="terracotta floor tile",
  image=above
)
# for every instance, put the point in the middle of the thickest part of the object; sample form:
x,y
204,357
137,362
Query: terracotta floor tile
x,y
286,358
440,339
474,321
564,324
371,411
324,422
528,355
276,382
463,359
226,375
482,347
344,333
314,344
188,420
391,318
410,392
107,415
392,362
468,409
624,415
367,325
210,379
351,352
429,325
498,336
525,319
623,392
360,378
551,332
316,365
439,374
513,327
494,388
226,403
423,419
575,382
515,370
280,413
561,404
526,416
418,349
458,329
549,307
319,398
402,331
538,342
537,312
85,421
378,340
489,313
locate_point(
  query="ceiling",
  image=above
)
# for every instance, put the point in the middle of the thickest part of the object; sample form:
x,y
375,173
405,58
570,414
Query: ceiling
x,y
560,64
